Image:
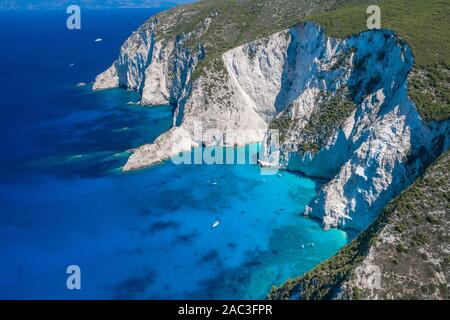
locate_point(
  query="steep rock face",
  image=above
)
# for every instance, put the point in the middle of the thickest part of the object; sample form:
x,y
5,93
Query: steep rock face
x,y
160,70
135,55
371,151
403,255
341,108
409,258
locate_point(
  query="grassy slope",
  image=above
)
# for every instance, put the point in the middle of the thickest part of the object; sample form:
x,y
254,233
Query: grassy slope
x,y
424,25
419,218
330,115
240,21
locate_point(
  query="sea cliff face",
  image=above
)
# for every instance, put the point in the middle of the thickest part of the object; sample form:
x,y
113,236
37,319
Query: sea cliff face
x,y
341,108
402,255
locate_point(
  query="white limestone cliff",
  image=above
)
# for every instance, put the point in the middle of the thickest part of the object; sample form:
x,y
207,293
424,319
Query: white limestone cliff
x,y
370,156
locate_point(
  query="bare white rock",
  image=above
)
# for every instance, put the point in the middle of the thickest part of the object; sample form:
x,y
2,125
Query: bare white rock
x,y
366,160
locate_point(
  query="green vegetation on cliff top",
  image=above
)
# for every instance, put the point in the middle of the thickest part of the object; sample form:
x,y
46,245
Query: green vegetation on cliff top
x,y
422,23
236,22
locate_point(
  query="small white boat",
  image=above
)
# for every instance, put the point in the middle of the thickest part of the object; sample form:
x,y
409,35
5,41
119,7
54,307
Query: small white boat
x,y
215,224
81,84
214,183
71,65
98,40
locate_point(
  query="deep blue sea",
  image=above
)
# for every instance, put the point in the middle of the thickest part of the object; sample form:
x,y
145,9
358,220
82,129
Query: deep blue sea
x,y
141,235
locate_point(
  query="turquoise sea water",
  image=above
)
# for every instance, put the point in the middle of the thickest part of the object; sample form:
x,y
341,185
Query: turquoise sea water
x,y
146,234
